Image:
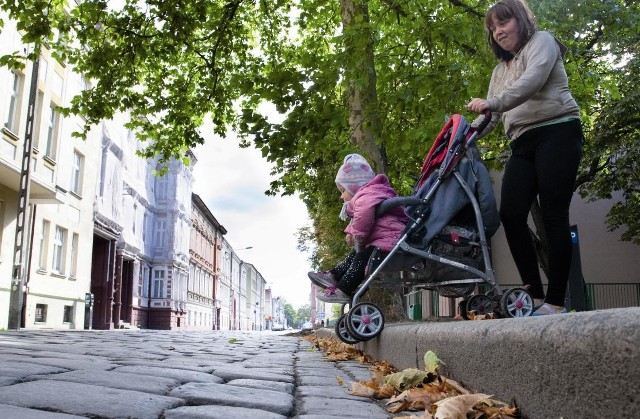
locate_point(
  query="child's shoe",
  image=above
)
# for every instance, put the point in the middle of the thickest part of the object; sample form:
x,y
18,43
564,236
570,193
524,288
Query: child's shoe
x,y
548,309
322,279
333,295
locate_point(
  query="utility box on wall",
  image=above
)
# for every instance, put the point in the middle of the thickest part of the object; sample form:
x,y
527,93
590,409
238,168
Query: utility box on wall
x,y
415,311
413,304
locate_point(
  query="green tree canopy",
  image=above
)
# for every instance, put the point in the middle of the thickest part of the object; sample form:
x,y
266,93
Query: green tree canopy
x,y
410,64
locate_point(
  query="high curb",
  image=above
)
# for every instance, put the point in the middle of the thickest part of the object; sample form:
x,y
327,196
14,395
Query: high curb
x,y
573,366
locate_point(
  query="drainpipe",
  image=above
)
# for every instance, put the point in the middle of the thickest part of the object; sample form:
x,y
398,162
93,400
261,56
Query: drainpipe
x,y
117,306
149,298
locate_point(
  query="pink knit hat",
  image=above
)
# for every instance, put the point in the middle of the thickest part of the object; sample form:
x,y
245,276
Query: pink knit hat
x,y
354,173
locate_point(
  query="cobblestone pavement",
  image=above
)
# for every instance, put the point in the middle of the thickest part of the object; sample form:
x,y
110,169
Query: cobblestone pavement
x,y
51,374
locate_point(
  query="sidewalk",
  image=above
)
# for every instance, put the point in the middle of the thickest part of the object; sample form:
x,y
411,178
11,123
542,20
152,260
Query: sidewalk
x,y
574,366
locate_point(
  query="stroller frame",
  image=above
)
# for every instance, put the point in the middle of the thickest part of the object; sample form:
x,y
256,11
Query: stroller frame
x,y
365,320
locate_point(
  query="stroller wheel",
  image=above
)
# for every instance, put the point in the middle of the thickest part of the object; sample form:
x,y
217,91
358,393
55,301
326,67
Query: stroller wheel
x,y
365,321
480,303
516,302
343,333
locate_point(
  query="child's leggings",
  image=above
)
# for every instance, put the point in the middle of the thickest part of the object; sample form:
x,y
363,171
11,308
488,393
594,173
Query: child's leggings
x,y
350,272
544,163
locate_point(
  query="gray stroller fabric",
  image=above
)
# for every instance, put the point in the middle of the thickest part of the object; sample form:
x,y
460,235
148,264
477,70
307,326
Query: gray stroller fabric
x,y
449,199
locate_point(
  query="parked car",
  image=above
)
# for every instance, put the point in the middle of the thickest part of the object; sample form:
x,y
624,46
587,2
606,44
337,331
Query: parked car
x,y
277,327
307,326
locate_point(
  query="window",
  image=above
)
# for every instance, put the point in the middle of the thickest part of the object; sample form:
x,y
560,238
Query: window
x,y
15,93
37,121
59,239
41,313
134,218
158,283
77,166
1,224
144,227
52,131
145,281
67,315
44,245
161,226
73,272
161,187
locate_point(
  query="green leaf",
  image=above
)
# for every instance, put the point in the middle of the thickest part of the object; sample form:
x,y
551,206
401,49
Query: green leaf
x,y
431,362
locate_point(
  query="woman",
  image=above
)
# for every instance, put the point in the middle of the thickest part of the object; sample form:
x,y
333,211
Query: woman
x,y
529,92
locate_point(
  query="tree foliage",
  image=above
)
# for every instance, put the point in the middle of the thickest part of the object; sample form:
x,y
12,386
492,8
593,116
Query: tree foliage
x,y
172,63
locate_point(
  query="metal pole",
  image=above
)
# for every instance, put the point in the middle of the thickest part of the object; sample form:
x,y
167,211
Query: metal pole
x,y
16,298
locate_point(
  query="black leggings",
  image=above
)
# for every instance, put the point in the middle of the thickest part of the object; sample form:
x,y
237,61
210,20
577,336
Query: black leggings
x,y
350,272
544,162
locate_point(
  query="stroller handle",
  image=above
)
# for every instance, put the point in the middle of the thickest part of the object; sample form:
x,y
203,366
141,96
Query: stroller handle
x,y
398,201
487,118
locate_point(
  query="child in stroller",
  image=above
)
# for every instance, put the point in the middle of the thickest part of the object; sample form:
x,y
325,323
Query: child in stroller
x,y
361,191
452,204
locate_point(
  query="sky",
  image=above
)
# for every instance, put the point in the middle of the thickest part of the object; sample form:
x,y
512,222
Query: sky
x,y
231,181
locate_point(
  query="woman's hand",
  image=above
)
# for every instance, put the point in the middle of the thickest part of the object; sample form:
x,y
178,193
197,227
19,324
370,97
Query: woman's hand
x,y
478,105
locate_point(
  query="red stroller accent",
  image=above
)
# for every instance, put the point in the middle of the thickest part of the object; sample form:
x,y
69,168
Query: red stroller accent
x,y
452,208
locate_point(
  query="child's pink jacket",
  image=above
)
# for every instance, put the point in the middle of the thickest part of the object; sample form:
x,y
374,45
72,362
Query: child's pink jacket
x,y
382,232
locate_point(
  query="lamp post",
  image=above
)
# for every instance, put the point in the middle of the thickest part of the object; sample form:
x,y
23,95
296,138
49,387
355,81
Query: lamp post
x,y
18,288
255,315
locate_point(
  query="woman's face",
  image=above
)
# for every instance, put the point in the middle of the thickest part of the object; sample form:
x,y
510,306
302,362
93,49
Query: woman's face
x,y
505,33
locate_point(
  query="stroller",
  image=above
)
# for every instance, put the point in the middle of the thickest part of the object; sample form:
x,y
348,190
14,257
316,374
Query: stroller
x,y
444,247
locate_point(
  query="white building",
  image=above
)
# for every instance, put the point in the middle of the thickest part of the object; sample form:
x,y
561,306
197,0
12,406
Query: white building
x,y
254,286
278,315
142,235
55,228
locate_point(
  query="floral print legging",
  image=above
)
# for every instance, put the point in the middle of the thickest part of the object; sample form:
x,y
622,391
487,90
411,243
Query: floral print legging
x,y
350,272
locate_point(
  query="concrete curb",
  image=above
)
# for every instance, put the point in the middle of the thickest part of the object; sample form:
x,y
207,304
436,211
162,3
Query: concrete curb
x,y
580,365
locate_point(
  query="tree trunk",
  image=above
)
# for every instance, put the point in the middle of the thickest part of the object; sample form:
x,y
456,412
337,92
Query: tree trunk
x,y
364,122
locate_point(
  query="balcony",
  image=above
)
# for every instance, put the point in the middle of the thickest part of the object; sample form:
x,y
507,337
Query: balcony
x,y
43,191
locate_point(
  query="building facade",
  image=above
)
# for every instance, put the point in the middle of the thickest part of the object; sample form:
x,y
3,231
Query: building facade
x,y
255,298
46,193
278,314
203,309
141,237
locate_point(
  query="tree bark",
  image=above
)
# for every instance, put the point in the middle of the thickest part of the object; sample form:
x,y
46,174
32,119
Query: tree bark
x,y
364,122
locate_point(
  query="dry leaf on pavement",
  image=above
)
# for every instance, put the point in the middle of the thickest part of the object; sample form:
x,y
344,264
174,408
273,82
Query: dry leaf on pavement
x,y
458,406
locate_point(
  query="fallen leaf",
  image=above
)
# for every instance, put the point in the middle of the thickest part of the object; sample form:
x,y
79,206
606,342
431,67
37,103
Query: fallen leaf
x,y
339,379
404,405
429,394
358,389
456,386
431,361
233,340
424,415
408,378
386,391
457,407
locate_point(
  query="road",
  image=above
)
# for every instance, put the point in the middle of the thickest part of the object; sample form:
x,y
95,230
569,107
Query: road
x,y
52,374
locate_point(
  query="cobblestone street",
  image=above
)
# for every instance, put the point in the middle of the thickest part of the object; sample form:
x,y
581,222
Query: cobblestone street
x,y
53,374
